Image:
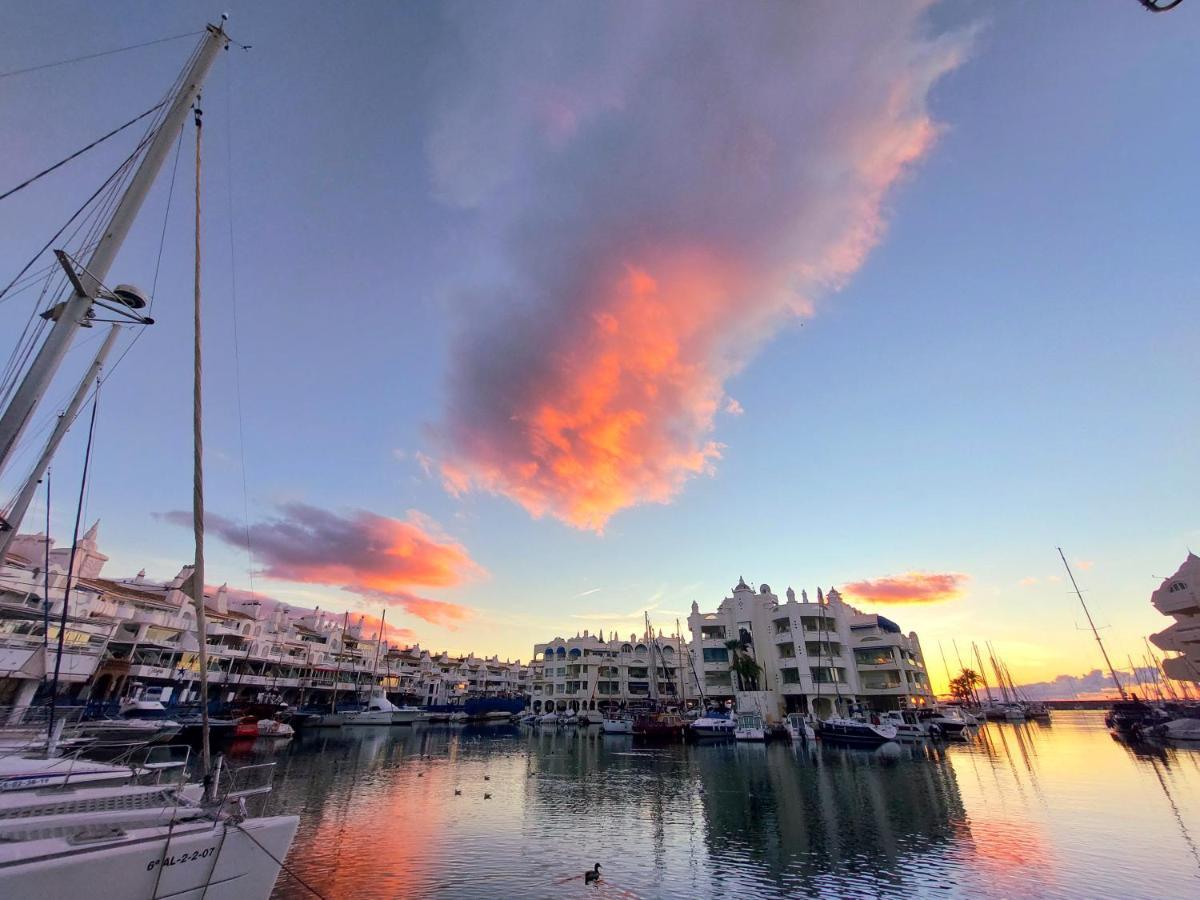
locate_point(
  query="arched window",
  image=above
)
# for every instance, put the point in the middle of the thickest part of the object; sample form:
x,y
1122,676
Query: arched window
x,y
640,649
626,648
562,652
549,654
575,653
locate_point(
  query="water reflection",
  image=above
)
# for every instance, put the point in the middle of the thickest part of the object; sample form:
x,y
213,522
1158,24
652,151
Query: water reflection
x,y
1024,810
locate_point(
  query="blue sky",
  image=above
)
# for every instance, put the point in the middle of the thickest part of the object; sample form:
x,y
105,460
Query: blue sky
x,y
1009,369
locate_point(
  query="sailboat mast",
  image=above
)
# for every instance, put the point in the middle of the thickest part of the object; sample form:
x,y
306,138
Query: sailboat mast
x,y
378,644
16,512
1111,669
73,312
982,671
198,474
337,672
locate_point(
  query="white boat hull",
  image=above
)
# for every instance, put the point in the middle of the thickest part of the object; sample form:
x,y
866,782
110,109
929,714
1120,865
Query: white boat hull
x,y
405,715
369,717
617,726
749,734
192,861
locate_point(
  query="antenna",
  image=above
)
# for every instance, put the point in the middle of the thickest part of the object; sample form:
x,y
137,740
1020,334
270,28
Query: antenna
x,y
1111,670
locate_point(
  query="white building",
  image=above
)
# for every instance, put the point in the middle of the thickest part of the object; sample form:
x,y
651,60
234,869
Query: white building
x,y
136,631
1179,597
821,656
589,672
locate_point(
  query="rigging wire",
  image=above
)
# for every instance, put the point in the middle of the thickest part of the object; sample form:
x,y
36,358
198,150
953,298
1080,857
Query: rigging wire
x,y
78,153
65,62
237,362
62,627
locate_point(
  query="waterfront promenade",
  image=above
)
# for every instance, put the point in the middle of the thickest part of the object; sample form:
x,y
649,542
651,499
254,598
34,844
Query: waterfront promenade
x,y
1024,810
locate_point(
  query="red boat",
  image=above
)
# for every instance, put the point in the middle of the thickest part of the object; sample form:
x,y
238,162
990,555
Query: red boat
x,y
659,727
247,726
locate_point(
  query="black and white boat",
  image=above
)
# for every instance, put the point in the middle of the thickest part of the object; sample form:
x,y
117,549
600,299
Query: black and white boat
x,y
856,732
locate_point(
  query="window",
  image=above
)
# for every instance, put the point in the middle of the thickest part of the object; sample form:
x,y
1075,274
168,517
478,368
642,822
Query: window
x,y
783,626
716,654
787,651
790,676
1177,586
712,632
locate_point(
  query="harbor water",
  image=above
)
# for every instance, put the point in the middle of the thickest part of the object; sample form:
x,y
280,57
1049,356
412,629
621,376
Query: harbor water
x,y
1025,810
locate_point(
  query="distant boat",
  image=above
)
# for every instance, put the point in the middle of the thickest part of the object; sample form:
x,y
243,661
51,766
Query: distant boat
x,y
712,726
750,727
798,728
856,731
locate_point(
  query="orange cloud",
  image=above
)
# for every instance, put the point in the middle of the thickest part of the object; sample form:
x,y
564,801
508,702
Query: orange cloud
x,y
661,238
911,587
360,552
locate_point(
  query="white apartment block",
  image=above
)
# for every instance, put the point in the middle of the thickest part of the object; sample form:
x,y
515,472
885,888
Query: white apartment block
x,y
589,672
822,656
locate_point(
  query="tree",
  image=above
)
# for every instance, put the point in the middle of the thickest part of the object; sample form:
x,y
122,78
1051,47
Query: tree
x,y
962,688
745,668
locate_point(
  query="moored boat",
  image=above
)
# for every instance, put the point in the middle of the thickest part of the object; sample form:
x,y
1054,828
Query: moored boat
x,y
856,731
750,727
798,728
711,726
659,726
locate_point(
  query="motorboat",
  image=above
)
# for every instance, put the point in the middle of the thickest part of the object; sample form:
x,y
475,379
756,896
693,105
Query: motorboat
x,y
623,725
949,722
406,715
1128,717
712,726
378,711
275,728
1177,730
856,731
908,724
591,717
662,726
1037,711
750,727
798,728
570,717
550,718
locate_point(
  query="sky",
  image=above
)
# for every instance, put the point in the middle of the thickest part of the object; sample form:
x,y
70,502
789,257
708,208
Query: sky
x,y
525,319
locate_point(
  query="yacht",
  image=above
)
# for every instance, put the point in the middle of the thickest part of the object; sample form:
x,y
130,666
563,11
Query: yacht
x,y
750,727
908,724
712,725
950,722
798,728
856,731
622,725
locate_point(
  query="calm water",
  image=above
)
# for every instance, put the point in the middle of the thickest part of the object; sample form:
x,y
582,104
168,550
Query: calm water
x,y
1026,810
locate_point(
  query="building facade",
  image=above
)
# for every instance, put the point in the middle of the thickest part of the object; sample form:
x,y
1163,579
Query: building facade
x,y
130,633
821,656
1179,597
590,672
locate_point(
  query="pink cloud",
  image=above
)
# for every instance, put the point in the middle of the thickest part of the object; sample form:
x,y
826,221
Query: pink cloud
x,y
911,587
704,182
360,552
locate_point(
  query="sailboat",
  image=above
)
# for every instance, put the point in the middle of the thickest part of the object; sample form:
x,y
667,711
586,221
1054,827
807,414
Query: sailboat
x,y
138,840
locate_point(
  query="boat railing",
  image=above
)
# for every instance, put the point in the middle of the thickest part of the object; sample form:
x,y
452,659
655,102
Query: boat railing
x,y
235,785
34,716
157,764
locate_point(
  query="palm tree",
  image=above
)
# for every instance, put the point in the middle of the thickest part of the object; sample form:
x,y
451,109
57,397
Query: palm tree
x,y
962,688
743,665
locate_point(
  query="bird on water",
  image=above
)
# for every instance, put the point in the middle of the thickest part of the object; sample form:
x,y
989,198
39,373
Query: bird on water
x,y
592,875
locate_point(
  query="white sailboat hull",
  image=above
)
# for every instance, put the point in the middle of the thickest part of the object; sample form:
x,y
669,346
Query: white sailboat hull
x,y
216,862
370,717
